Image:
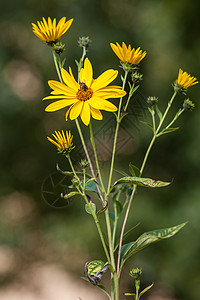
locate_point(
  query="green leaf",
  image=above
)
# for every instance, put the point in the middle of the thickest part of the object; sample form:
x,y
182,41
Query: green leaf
x,y
159,112
145,290
130,294
101,211
72,174
145,182
168,130
148,238
104,289
121,172
90,207
63,62
95,266
125,235
112,216
71,194
148,124
91,186
119,206
135,172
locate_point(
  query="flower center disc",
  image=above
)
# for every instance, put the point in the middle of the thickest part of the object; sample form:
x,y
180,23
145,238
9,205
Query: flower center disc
x,y
84,93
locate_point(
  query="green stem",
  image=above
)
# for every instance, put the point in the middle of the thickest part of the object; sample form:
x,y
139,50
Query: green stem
x,y
116,220
116,135
141,171
96,158
123,228
57,67
88,158
166,111
92,213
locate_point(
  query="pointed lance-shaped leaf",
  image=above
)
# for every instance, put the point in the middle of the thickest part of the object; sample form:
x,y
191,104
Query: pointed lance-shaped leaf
x,y
148,238
145,182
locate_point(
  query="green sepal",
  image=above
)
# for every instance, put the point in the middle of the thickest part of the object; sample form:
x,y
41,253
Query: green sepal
x,y
89,207
134,170
71,194
145,182
148,238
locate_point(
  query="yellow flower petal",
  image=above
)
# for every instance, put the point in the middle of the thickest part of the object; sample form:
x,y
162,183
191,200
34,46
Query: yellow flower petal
x,y
59,105
96,114
100,103
76,110
126,54
68,80
104,79
48,32
86,73
60,88
85,113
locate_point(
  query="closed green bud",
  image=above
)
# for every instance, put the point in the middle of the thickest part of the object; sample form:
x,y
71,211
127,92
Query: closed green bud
x,y
84,163
152,100
188,105
136,77
84,42
136,273
58,48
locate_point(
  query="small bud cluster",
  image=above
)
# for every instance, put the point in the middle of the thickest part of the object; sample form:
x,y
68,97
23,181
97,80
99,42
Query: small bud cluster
x,y
188,105
136,273
84,42
152,100
58,47
136,77
84,163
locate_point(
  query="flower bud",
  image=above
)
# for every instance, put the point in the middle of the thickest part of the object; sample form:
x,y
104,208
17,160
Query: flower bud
x,y
76,181
84,42
188,105
136,273
136,77
58,47
152,100
84,163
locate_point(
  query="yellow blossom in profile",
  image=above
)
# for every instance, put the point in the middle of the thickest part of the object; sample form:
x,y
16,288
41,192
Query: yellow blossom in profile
x,y
62,141
128,55
48,31
86,98
185,80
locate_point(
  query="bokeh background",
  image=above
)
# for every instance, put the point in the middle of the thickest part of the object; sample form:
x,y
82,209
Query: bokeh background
x,y
43,247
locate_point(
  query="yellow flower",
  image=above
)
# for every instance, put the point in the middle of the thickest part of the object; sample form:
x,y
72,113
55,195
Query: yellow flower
x,y
128,55
49,32
63,141
185,80
88,97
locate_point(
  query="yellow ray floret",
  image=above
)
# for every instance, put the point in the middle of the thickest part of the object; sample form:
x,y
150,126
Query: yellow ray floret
x,y
126,54
62,141
185,80
87,98
48,31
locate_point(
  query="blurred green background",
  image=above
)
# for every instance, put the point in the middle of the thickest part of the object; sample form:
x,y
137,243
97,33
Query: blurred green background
x,y
31,229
